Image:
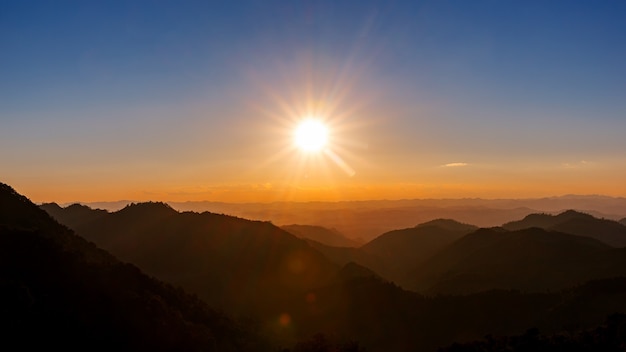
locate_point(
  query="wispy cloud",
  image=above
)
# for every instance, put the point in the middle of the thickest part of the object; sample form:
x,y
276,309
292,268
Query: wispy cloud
x,y
455,164
575,165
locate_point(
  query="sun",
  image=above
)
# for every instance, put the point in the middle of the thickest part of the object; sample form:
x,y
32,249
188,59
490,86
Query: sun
x,y
311,135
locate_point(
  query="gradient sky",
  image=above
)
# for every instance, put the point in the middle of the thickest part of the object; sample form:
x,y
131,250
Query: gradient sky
x,y
197,100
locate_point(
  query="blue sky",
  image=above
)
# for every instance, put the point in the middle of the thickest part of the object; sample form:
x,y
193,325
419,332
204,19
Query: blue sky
x,y
184,95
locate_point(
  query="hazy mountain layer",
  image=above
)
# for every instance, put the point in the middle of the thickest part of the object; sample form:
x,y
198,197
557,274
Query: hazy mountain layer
x,y
365,220
576,223
320,234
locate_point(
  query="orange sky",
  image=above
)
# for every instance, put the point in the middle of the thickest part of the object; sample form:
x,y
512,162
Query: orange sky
x,y
200,103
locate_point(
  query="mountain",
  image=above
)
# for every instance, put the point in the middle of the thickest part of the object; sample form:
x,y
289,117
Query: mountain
x,y
383,317
611,336
575,223
346,255
330,237
623,221
249,268
403,250
531,260
69,294
73,215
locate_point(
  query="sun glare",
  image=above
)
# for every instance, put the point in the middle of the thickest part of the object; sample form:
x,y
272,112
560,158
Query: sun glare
x,y
311,135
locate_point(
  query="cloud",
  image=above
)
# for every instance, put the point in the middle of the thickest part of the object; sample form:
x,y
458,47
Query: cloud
x,y
575,165
455,164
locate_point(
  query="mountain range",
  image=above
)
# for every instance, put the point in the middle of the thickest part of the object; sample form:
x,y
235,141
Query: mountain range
x,y
364,220
540,276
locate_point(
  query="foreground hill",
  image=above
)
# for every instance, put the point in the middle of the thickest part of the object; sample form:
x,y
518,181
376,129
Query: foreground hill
x,y
383,317
531,260
610,336
608,231
320,234
69,294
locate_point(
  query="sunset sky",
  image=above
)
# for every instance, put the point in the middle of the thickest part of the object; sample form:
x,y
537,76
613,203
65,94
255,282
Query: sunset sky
x,y
199,100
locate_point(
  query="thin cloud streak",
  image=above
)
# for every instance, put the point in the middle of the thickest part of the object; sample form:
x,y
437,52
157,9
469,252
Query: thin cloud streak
x,y
454,164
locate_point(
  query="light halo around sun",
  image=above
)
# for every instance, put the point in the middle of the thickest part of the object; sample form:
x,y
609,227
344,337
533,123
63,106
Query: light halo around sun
x,y
311,135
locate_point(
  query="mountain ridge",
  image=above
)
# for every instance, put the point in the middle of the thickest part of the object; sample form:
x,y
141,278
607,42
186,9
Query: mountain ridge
x,y
531,259
576,223
71,294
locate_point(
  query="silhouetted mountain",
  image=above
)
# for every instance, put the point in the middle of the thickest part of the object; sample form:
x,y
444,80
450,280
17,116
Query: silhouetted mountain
x,y
575,223
449,225
353,270
623,221
403,250
255,267
249,268
345,255
73,215
383,317
59,291
320,234
531,259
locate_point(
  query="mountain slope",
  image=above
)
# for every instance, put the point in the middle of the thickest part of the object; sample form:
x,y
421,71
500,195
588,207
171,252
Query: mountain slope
x,y
247,267
623,221
531,259
70,294
575,223
345,255
320,234
403,250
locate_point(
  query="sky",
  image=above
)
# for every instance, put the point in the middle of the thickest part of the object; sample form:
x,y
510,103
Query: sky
x,y
199,100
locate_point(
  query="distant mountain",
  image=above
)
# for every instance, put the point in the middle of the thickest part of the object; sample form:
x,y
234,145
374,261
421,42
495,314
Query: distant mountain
x,y
58,290
330,237
247,267
368,219
347,255
531,260
403,250
576,223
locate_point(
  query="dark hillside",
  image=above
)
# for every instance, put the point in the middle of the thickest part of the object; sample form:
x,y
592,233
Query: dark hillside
x,y
69,294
